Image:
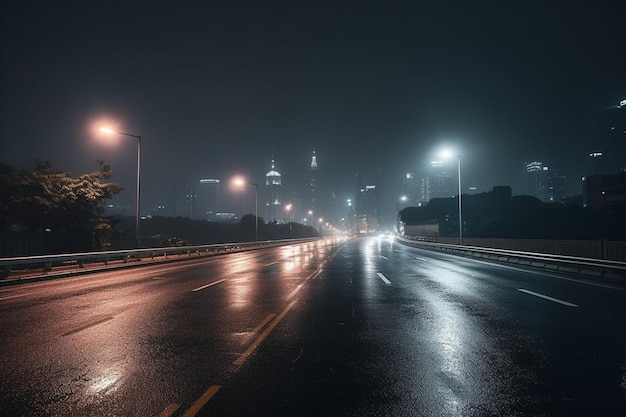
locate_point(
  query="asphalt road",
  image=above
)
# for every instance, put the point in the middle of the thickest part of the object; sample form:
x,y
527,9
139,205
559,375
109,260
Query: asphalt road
x,y
366,327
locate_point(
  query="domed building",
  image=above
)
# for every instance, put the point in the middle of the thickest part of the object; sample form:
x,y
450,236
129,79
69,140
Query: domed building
x,y
273,183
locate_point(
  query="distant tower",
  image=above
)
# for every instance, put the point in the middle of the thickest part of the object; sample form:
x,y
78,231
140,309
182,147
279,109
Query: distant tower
x,y
411,188
534,179
206,199
182,196
441,181
367,204
273,182
548,185
424,192
611,139
313,191
599,164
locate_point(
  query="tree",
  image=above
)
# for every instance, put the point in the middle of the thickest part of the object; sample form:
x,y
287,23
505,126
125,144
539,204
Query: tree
x,y
499,214
248,225
48,198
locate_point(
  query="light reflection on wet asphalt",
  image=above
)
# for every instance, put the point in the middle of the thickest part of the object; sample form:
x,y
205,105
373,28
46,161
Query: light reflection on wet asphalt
x,y
366,327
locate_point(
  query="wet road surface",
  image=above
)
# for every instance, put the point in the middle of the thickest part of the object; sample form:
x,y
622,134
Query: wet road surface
x,y
367,327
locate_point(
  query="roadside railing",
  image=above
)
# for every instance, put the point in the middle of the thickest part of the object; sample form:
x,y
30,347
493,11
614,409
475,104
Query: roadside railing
x,y
595,249
72,263
588,266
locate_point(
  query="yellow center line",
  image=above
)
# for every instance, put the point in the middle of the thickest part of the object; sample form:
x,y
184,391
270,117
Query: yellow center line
x,y
244,356
294,292
314,273
169,410
200,402
258,328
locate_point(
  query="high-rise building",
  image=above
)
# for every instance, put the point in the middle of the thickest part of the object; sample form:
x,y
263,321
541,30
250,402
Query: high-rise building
x,y
534,179
182,198
273,184
367,201
313,190
556,190
205,203
598,164
609,156
612,137
441,180
548,185
411,189
424,191
604,191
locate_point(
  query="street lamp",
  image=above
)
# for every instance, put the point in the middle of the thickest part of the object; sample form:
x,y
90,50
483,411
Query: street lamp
x,y
240,182
447,154
109,132
288,209
401,200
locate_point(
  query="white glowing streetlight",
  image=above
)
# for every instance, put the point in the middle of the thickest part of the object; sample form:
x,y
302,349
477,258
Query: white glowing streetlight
x,y
110,131
240,182
289,210
401,200
448,153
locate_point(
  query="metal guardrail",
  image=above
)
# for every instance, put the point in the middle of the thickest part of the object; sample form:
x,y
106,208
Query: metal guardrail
x,y
54,265
596,249
600,268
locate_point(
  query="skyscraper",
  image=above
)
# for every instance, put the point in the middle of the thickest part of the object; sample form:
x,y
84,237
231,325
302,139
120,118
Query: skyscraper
x,y
556,190
611,141
182,198
411,189
313,190
424,191
548,185
441,180
598,164
273,183
206,199
367,204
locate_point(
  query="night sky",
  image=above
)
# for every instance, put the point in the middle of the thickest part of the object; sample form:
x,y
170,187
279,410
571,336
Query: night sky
x,y
217,88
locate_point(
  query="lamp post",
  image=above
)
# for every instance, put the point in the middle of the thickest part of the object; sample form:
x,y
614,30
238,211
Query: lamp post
x,y
256,211
240,181
288,209
401,200
137,218
447,154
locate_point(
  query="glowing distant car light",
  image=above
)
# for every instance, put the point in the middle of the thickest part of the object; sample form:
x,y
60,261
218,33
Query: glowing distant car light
x,y
622,103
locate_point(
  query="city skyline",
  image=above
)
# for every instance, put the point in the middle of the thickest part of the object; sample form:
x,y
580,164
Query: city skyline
x,y
221,88
230,201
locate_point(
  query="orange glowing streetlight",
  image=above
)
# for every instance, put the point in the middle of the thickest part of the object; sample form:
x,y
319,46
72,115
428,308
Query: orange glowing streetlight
x,y
240,182
110,131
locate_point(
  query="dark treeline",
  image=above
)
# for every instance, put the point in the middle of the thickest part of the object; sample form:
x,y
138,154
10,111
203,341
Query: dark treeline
x,y
47,211
175,231
155,232
498,214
